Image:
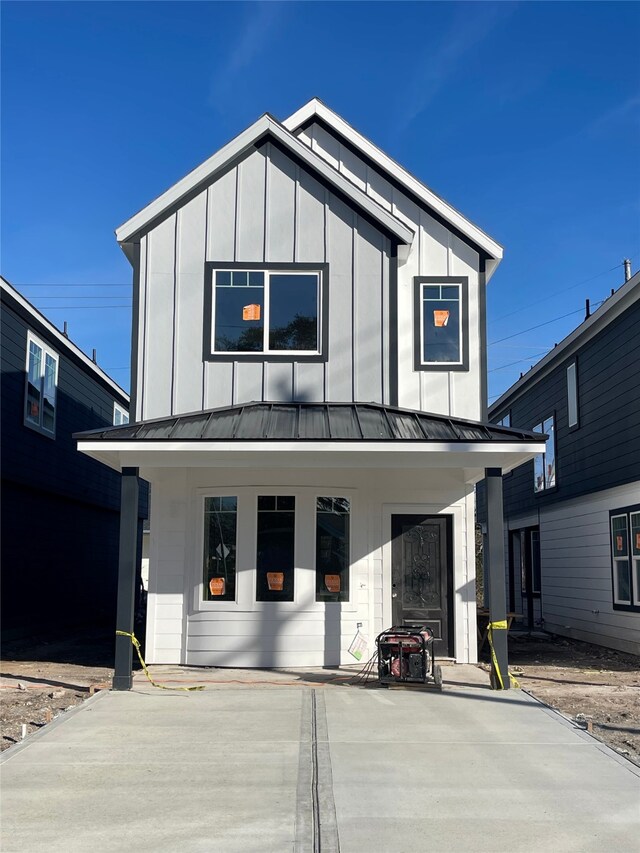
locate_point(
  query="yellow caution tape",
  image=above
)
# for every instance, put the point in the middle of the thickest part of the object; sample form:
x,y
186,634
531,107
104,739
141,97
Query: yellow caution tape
x,y
136,644
499,626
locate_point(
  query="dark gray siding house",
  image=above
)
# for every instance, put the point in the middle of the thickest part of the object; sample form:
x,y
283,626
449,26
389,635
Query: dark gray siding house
x,y
572,516
60,509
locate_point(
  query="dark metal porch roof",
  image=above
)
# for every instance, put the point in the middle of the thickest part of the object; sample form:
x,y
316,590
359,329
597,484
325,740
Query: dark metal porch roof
x,y
311,422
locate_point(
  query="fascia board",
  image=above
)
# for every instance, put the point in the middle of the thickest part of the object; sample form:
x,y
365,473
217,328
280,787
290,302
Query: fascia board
x,y
63,344
237,146
387,164
599,320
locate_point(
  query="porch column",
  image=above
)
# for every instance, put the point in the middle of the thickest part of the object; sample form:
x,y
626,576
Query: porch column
x,y
127,565
494,574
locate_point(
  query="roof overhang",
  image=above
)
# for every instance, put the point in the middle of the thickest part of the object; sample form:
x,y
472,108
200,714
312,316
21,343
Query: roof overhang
x,y
472,457
315,107
265,126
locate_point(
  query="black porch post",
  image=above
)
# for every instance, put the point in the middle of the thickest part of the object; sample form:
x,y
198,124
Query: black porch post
x,y
127,573
494,572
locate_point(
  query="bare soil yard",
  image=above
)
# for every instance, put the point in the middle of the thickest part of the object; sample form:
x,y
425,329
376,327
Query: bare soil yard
x,y
39,681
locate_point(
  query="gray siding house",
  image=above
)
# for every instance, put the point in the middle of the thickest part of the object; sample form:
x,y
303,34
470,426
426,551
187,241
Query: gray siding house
x,y
60,509
309,369
572,516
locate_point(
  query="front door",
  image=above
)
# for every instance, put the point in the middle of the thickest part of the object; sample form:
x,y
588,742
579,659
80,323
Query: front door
x,y
422,576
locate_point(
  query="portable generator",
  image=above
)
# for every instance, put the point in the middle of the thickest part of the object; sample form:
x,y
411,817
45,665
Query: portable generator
x,y
405,655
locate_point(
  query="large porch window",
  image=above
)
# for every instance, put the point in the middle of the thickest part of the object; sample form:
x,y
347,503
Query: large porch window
x,y
275,562
332,549
220,544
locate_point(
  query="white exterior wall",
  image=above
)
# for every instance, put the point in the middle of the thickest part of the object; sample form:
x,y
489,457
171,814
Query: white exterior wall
x,y
183,629
435,251
577,598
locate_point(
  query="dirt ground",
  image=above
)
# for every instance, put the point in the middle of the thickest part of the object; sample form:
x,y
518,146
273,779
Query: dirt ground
x,y
41,680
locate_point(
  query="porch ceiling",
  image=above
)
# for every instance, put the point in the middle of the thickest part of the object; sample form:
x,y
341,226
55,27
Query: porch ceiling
x,y
327,435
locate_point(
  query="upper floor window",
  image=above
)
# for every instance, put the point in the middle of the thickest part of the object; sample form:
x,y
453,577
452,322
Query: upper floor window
x,y
270,310
572,395
120,415
544,464
441,324
625,557
41,386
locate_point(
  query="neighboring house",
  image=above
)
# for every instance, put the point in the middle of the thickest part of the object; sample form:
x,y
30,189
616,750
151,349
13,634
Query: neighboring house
x,y
572,516
309,394
60,510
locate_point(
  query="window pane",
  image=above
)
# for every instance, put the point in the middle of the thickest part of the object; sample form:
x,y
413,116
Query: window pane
x,y
223,277
239,319
275,552
293,312
538,472
619,538
623,585
49,397
535,561
636,594
441,329
220,527
635,533
572,395
332,549
34,383
550,455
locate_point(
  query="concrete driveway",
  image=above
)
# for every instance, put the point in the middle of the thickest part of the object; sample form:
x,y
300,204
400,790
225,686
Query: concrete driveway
x,y
289,762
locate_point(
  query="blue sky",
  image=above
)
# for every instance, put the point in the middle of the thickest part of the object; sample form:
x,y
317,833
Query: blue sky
x,y
525,116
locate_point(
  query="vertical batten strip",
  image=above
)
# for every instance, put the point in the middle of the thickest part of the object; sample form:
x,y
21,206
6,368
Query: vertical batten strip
x,y
176,308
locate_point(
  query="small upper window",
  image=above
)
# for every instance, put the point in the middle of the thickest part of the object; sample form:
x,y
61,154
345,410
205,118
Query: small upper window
x,y
572,395
266,311
441,323
120,415
42,385
544,465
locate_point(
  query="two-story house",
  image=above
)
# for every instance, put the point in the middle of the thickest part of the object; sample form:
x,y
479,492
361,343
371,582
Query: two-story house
x,y
60,510
309,385
572,516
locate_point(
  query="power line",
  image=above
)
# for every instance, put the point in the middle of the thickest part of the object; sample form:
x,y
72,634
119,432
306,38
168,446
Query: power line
x,y
75,296
72,284
540,325
78,307
519,361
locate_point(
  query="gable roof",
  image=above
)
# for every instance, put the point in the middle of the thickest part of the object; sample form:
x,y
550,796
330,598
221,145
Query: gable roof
x,y
265,126
626,295
316,108
62,343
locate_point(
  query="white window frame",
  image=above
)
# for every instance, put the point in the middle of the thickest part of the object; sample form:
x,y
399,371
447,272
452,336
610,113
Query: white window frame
x,y
46,351
246,553
546,485
572,395
268,272
118,409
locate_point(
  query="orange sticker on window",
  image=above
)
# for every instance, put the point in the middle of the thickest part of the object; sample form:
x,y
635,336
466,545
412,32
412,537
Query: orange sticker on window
x,y
332,582
275,581
440,318
619,544
638,541
216,586
251,312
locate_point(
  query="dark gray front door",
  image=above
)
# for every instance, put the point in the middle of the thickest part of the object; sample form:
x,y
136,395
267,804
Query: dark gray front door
x,y
422,576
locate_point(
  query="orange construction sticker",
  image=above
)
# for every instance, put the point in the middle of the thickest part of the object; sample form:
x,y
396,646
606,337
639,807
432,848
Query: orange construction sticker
x,y
251,312
216,586
440,318
638,541
275,581
332,582
619,545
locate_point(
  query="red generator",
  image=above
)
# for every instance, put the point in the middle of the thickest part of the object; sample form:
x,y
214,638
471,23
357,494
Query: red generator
x,y
405,656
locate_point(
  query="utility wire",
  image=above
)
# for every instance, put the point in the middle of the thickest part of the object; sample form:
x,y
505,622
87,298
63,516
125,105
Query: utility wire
x,y
73,284
540,325
519,361
78,307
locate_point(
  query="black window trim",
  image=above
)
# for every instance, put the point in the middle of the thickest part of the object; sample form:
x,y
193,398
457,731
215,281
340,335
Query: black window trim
x,y
418,281
261,357
540,422
629,608
46,349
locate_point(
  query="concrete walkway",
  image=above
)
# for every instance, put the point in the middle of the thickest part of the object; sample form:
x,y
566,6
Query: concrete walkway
x,y
266,766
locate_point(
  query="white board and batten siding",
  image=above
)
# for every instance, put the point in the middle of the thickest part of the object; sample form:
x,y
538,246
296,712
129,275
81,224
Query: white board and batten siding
x,y
181,629
575,547
269,209
436,250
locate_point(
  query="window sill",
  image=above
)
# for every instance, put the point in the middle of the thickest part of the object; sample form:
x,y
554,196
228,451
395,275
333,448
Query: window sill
x,y
629,608
40,430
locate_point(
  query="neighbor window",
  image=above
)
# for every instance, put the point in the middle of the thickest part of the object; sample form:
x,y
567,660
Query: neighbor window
x,y
266,311
504,421
275,558
441,323
625,557
42,383
572,395
332,549
220,542
120,415
544,464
